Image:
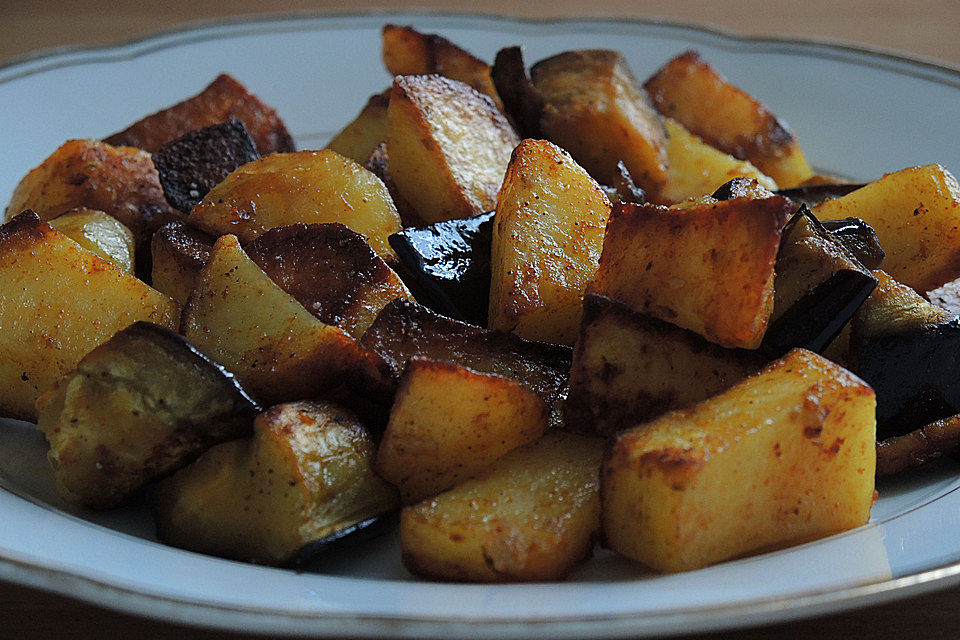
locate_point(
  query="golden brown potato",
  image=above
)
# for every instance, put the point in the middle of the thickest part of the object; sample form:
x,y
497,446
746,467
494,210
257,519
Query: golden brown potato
x,y
547,237
916,214
697,169
628,368
223,99
308,187
706,104
280,352
707,267
407,52
405,329
136,408
784,457
534,515
449,422
594,108
359,138
57,302
448,147
100,233
179,253
331,271
302,480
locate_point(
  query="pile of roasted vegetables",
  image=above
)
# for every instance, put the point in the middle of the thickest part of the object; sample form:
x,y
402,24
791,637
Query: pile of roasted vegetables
x,y
531,310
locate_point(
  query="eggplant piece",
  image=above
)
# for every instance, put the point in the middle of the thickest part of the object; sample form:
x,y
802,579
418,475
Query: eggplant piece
x,y
908,350
137,408
859,238
741,187
195,163
179,253
812,195
303,481
521,100
625,189
817,288
451,263
929,442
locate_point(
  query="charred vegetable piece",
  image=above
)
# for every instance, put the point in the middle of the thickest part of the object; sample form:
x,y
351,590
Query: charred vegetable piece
x,y
786,456
521,100
929,442
449,422
195,163
300,482
179,254
138,407
224,99
908,350
859,238
628,368
405,329
817,288
330,270
812,195
741,187
539,518
100,233
451,261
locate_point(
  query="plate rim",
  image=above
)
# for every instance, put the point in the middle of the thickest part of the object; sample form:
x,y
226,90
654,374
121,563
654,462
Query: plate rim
x,y
220,616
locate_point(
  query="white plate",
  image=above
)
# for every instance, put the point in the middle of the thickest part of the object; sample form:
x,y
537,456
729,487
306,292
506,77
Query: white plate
x,y
856,112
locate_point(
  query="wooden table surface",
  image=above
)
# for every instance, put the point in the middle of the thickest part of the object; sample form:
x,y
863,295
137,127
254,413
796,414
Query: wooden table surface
x,y
927,28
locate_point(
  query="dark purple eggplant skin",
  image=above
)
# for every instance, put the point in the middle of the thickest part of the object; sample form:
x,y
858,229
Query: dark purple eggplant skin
x,y
195,163
311,556
859,238
521,100
815,194
741,187
450,262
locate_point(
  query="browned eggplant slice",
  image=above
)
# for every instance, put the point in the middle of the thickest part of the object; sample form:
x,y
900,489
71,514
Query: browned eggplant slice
x,y
222,100
741,187
908,350
859,238
137,408
818,287
303,481
179,253
195,163
450,261
405,329
932,441
521,100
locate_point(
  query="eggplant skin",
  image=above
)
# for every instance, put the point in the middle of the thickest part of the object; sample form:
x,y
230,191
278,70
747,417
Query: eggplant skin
x,y
932,441
859,238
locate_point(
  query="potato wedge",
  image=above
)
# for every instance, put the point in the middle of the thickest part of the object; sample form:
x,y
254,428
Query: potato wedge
x,y
784,457
447,146
57,302
595,109
331,271
449,422
706,104
707,267
628,368
916,214
223,99
179,253
534,515
308,187
547,237
405,329
280,352
136,408
302,479
100,233
358,139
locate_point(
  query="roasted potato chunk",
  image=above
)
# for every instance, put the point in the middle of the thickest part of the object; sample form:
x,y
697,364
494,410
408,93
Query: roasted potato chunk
x,y
449,422
179,253
534,515
57,302
280,352
594,108
360,137
706,104
303,479
136,408
628,368
407,52
547,237
447,147
331,271
100,233
916,214
223,99
708,267
405,329
784,457
308,187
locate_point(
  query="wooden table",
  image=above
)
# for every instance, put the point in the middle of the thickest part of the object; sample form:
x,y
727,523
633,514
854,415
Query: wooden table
x,y
921,27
